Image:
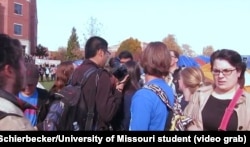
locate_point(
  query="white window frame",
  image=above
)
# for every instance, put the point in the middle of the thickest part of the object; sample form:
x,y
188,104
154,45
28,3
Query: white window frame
x,y
14,30
16,12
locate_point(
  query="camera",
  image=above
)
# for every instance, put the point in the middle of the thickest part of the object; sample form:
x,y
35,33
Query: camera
x,y
118,69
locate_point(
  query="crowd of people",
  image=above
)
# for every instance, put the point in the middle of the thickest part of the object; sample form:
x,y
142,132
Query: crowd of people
x,y
122,103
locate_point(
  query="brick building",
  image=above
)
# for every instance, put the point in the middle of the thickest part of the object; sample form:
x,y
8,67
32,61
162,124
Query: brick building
x,y
18,19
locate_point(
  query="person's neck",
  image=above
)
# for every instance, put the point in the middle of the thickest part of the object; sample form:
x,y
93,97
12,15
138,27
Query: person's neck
x,y
186,94
95,60
231,90
225,94
9,88
26,95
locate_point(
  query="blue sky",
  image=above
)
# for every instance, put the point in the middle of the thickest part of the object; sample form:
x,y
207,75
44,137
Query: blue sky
x,y
198,23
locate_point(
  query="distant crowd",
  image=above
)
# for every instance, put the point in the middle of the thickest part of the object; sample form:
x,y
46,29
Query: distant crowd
x,y
47,71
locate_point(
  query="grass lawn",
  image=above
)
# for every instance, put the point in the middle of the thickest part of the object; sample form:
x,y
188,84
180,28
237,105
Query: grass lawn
x,y
48,84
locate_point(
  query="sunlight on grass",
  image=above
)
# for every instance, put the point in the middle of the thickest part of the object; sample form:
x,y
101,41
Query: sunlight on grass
x,y
47,85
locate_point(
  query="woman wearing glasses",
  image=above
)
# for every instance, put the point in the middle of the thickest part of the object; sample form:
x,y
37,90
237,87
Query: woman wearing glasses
x,y
207,106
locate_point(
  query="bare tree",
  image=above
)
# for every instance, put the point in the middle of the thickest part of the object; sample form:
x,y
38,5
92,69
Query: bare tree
x,y
93,28
187,51
208,50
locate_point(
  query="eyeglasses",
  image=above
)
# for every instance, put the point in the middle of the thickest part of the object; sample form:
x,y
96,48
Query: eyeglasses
x,y
225,72
106,51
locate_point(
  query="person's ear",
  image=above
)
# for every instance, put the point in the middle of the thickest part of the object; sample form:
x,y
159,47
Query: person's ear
x,y
100,52
8,71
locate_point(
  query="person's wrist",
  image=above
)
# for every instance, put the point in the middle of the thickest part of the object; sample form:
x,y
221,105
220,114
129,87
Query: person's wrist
x,y
120,82
119,86
120,90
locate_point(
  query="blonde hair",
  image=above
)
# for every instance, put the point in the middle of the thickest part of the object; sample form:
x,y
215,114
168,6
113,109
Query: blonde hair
x,y
192,78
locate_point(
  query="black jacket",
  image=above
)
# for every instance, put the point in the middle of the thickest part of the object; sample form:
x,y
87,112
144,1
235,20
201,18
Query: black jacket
x,y
42,104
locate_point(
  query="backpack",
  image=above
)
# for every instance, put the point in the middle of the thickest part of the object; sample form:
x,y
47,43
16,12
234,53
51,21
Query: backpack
x,y
4,114
69,111
175,121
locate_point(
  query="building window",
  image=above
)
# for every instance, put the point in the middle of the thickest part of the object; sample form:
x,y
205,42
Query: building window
x,y
18,9
17,29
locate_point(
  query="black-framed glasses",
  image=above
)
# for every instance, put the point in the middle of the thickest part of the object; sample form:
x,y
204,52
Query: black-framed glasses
x,y
106,51
225,72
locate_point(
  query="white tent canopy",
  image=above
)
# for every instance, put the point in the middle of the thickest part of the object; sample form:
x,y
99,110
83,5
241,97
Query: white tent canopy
x,y
247,78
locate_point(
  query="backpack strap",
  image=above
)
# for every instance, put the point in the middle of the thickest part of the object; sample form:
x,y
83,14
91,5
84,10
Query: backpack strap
x,y
91,110
176,120
90,113
156,89
87,74
4,114
161,94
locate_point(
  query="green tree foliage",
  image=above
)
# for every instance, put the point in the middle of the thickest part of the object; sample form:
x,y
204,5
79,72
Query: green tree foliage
x,y
41,51
132,45
73,45
171,43
208,50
